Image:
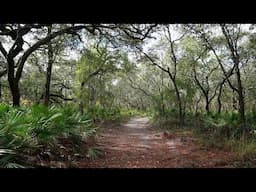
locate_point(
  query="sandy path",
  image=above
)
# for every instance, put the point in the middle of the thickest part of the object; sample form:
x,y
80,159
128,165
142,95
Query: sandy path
x,y
136,145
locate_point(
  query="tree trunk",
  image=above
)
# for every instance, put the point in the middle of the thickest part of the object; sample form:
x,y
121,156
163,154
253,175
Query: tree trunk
x,y
81,107
207,107
13,83
219,99
0,90
161,92
196,106
81,103
234,102
241,100
179,103
14,86
204,91
48,71
207,104
236,60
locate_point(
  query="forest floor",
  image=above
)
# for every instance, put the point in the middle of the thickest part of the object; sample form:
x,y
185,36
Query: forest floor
x,y
136,144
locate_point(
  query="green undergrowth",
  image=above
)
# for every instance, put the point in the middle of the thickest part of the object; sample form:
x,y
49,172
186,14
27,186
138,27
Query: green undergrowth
x,y
134,113
28,129
223,131
114,114
218,131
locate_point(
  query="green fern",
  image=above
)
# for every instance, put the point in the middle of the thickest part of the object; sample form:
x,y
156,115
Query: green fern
x,y
93,153
29,128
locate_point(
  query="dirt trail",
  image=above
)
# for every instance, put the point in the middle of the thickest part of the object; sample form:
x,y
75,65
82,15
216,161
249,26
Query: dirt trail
x,y
136,145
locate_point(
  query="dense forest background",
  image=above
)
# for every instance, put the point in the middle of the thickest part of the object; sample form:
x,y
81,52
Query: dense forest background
x,y
59,81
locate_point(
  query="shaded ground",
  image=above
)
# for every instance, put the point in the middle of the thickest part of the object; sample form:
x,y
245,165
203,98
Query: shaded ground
x,y
136,145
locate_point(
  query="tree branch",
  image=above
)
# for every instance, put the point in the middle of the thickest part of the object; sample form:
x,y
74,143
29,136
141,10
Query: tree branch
x,y
139,88
61,97
2,73
41,42
3,51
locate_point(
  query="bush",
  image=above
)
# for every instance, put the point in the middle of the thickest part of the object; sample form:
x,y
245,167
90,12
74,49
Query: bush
x,y
132,113
29,128
100,113
221,131
93,153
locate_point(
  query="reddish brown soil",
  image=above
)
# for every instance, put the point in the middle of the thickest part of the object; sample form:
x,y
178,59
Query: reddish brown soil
x,y
136,144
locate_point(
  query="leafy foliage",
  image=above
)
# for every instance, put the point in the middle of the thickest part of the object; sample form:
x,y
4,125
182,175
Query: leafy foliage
x,y
27,129
101,113
93,153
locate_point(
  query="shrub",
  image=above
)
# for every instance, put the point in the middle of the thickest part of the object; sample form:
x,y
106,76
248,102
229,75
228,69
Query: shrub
x,y
93,153
29,128
100,113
